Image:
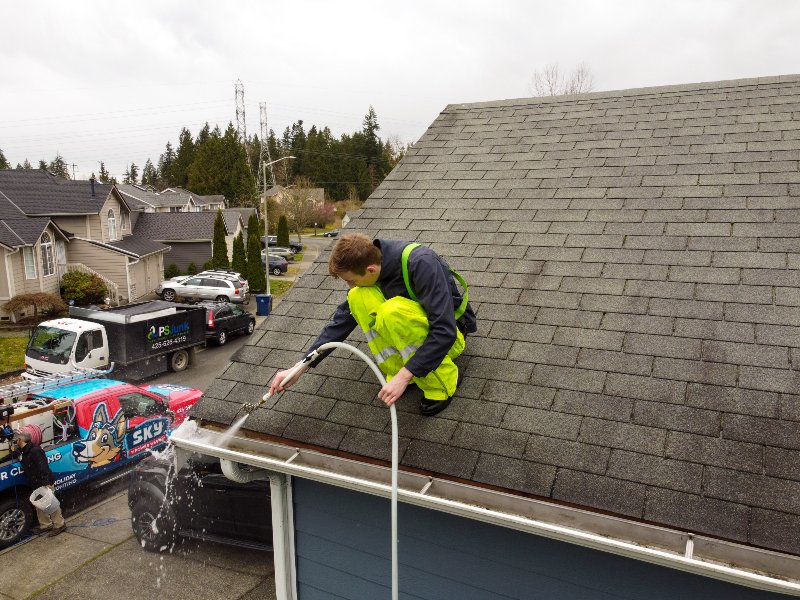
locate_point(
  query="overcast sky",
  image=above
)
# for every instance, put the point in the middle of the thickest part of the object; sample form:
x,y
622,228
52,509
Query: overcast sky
x,y
113,81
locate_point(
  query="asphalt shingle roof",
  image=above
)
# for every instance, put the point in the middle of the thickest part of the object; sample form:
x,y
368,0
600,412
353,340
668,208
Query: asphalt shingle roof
x,y
138,245
37,192
175,227
634,264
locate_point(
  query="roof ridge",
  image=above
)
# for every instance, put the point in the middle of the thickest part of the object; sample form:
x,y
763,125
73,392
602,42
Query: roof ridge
x,y
724,83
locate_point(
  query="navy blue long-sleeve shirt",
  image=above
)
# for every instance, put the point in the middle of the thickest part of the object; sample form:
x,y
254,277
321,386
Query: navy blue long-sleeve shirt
x,y
436,291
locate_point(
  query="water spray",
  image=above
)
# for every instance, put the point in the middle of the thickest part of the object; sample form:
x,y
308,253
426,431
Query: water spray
x,y
249,407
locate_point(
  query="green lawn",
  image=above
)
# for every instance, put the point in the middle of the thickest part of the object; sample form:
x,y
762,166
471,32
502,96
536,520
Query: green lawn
x,y
278,288
12,353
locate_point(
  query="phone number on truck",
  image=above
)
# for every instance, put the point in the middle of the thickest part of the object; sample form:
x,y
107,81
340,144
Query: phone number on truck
x,y
181,339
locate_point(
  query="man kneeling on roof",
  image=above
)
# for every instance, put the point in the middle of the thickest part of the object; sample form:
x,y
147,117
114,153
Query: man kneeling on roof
x,y
405,299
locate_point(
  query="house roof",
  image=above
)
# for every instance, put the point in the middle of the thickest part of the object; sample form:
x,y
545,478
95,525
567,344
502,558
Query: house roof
x,y
231,218
245,213
176,227
134,245
633,263
39,193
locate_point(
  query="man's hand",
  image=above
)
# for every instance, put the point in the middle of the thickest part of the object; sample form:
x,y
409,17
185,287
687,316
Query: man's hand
x,y
395,387
279,382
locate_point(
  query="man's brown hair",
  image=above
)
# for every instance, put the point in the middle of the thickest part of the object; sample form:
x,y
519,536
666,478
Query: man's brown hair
x,y
353,252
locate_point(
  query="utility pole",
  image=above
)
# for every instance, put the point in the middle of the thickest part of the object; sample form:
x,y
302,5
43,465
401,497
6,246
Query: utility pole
x,y
73,171
241,122
264,158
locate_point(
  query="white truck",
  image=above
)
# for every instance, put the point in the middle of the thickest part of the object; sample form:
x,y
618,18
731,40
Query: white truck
x,y
140,339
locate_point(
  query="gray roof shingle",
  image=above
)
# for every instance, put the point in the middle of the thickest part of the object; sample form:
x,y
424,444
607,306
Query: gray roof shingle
x,y
39,193
633,262
176,227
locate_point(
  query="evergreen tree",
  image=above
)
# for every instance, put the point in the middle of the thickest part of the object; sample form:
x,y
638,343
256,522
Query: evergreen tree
x,y
105,177
126,176
134,174
25,165
42,165
58,166
166,166
256,276
4,164
183,159
219,248
149,174
239,259
283,231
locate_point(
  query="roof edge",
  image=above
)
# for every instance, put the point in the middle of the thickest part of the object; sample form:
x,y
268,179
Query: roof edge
x,y
707,85
738,564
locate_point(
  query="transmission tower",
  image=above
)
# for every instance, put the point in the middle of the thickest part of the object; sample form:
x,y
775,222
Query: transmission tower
x,y
265,160
241,125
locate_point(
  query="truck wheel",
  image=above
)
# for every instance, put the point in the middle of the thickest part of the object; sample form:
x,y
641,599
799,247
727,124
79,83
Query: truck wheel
x,y
222,337
168,295
222,299
15,521
251,326
276,271
178,361
154,525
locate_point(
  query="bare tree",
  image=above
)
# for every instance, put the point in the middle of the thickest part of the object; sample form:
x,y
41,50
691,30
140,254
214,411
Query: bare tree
x,y
550,81
299,204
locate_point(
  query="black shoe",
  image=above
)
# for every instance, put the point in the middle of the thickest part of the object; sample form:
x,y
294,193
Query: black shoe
x,y
428,408
38,530
57,530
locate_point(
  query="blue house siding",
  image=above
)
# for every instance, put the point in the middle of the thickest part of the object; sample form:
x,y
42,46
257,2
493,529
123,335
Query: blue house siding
x,y
343,550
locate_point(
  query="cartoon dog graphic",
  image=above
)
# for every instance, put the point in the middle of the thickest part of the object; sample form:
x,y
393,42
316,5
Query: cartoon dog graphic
x,y
104,442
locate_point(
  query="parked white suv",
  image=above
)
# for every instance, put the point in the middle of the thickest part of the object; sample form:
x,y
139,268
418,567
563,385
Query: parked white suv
x,y
204,287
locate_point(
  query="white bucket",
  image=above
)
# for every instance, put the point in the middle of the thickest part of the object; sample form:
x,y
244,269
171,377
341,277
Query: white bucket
x,y
45,500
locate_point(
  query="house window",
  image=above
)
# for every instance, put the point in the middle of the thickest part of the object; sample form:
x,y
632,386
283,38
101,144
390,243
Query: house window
x,y
48,259
123,222
30,262
112,225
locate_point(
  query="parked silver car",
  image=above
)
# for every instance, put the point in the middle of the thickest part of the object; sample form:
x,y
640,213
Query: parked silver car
x,y
203,287
286,253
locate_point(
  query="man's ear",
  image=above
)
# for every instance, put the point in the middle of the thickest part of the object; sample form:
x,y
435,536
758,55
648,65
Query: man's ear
x,y
372,268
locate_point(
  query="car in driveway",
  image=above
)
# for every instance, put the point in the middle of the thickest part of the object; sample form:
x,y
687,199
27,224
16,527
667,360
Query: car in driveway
x,y
224,319
199,502
228,274
277,264
272,241
286,253
203,287
331,233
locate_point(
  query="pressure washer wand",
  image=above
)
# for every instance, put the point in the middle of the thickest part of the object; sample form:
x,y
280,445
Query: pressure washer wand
x,y
395,435
249,407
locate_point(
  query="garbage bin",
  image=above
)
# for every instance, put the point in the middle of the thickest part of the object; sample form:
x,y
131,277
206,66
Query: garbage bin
x,y
263,304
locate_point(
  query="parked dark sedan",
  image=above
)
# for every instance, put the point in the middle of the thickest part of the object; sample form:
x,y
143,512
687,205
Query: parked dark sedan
x,y
277,264
272,241
199,502
224,319
331,233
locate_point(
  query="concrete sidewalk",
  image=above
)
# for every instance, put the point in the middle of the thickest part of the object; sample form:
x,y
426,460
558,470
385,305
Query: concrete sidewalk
x,y
98,557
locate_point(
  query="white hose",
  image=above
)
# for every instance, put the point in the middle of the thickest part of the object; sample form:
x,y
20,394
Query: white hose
x,y
395,452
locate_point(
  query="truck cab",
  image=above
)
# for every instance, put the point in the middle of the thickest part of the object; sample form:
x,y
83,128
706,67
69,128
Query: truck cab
x,y
61,345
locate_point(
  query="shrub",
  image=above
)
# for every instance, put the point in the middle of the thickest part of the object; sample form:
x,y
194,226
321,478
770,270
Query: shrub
x,y
208,265
83,288
191,269
42,303
171,271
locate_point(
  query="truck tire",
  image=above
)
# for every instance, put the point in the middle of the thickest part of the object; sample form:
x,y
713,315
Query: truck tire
x,y
168,295
16,518
154,525
178,361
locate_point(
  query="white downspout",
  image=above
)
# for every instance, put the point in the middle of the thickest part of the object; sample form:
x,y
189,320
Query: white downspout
x,y
282,523
282,536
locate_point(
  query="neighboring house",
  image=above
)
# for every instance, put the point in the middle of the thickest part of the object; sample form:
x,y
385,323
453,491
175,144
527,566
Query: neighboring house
x,y
629,421
212,202
147,201
91,232
315,195
189,234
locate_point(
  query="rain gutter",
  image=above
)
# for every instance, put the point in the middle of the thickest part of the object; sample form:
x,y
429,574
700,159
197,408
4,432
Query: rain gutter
x,y
705,556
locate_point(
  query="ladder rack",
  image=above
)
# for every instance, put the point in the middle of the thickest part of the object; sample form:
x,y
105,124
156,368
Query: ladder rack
x,y
23,389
